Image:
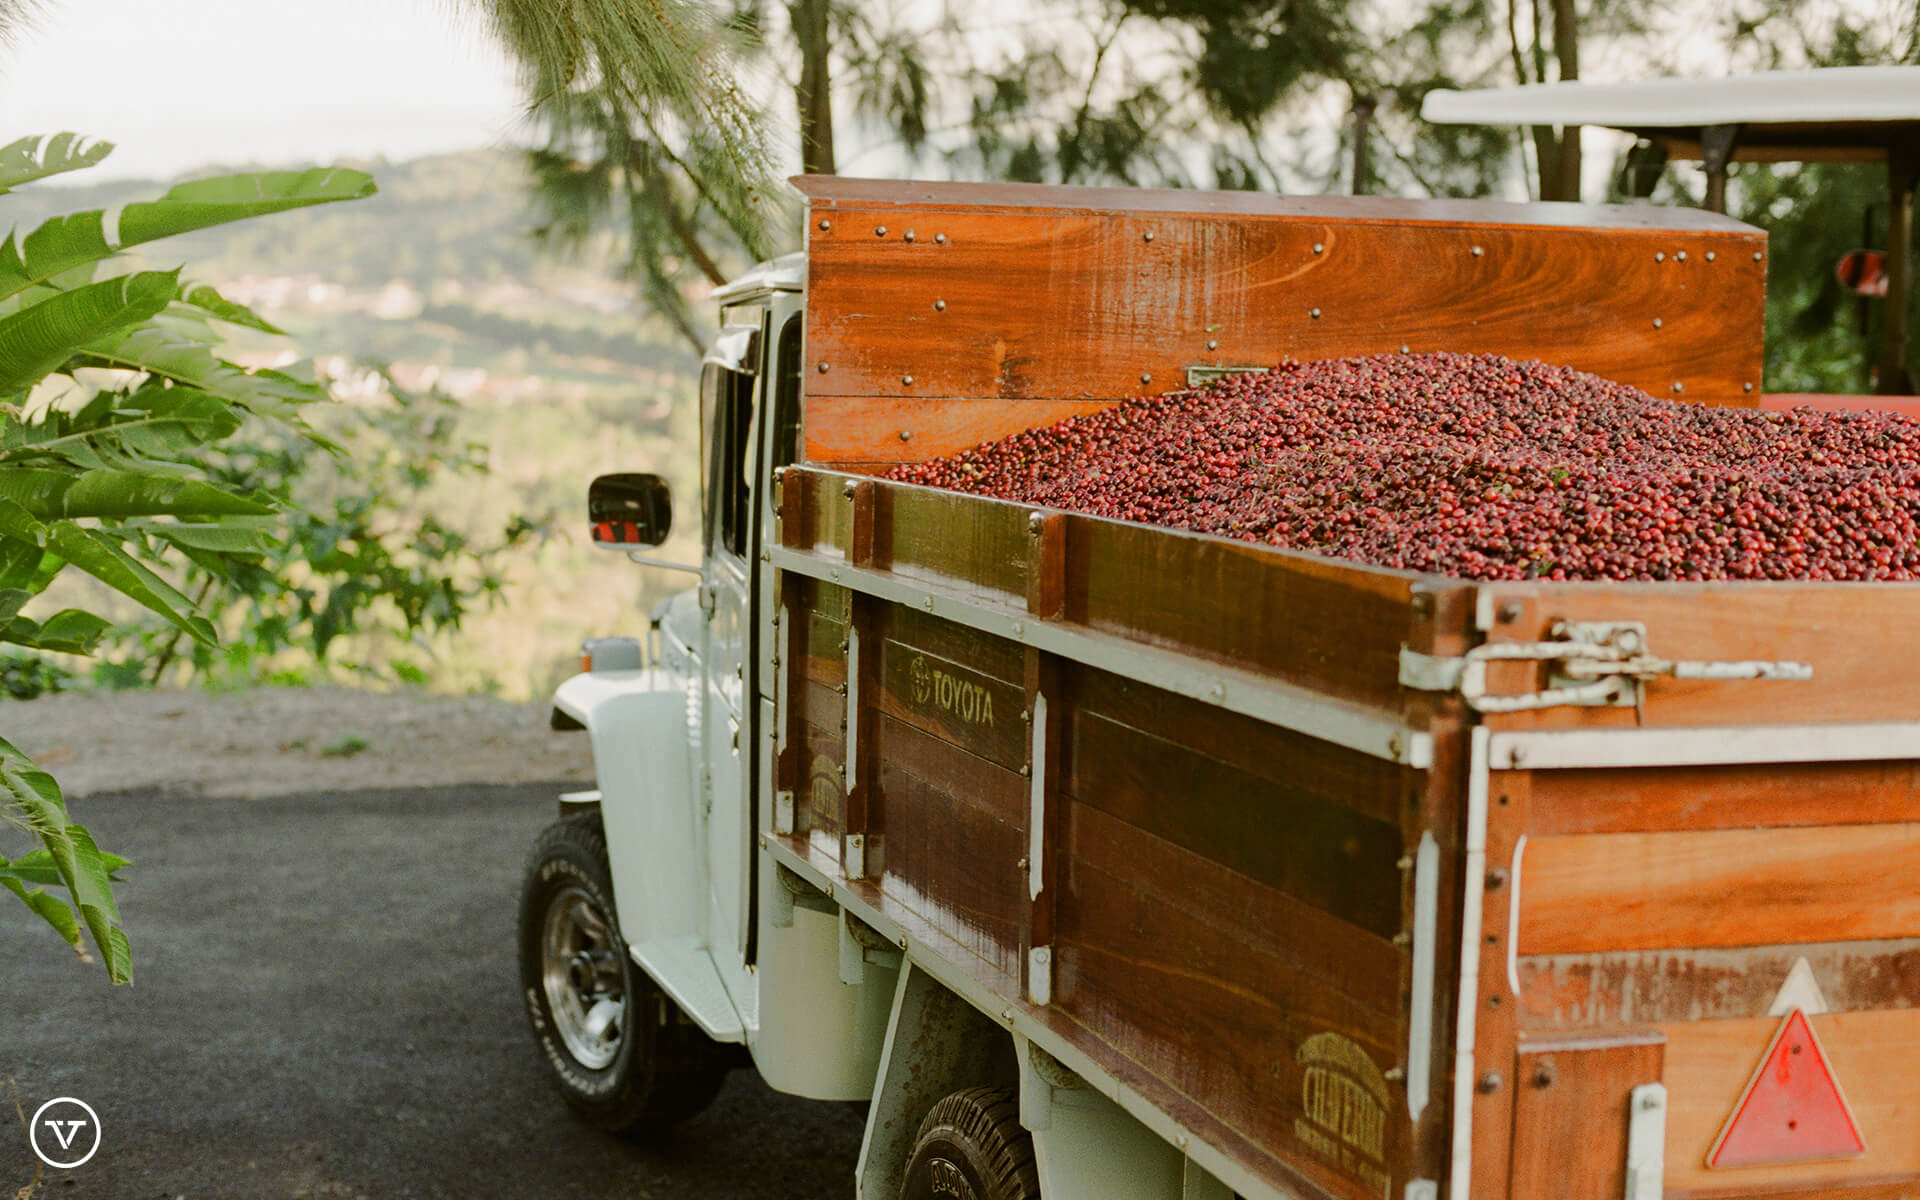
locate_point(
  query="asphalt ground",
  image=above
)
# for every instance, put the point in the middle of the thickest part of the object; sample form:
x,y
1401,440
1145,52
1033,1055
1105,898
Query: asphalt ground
x,y
325,1005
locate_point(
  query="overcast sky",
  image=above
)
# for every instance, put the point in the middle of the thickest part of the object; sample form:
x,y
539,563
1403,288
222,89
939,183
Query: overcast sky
x,y
179,84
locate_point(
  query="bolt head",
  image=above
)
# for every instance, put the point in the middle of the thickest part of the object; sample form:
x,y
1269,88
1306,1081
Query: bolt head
x,y
1314,313
1212,344
1746,387
825,224
908,235
906,435
939,306
1711,256
1145,377
1147,236
1478,251
939,239
1680,257
1488,1083
1319,248
906,381
822,368
1657,322
879,231
1659,256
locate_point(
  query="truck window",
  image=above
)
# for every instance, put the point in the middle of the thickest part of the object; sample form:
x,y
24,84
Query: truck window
x,y
726,421
786,396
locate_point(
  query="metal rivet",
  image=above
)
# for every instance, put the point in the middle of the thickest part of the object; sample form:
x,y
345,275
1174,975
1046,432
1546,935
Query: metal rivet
x,y
848,490
1314,313
1659,256
825,224
1678,386
1543,1075
823,368
1035,521
1477,252
929,603
1487,1084
1746,387
1394,1074
939,306
1680,256
908,235
1404,862
1026,770
1496,879
939,239
1711,256
1403,347
1147,236
1756,256
1319,249
1509,612
906,381
1212,345
906,435
1656,322
1145,378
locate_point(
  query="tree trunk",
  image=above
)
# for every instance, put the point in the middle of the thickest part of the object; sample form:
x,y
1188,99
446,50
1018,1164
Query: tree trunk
x,y
814,94
1566,49
1363,110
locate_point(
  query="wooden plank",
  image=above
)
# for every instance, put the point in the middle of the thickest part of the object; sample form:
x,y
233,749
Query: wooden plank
x,y
1571,1106
1736,887
952,701
855,429
1856,636
820,800
974,544
995,657
1576,991
1082,305
1216,1017
955,835
1310,847
1637,800
1875,1056
1496,1090
1337,627
1370,786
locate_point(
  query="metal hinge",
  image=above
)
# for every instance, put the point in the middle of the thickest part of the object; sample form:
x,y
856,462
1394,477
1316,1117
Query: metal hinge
x,y
1595,663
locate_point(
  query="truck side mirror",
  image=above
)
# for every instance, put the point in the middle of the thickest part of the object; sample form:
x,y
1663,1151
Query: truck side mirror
x,y
629,511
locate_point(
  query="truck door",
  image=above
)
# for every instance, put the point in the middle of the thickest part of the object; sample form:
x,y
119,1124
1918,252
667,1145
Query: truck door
x,y
727,433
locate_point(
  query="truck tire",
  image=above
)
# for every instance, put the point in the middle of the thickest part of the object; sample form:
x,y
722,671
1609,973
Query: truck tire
x,y
621,1053
971,1147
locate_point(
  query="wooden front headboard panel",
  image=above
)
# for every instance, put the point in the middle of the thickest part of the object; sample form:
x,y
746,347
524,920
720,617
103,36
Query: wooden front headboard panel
x,y
943,315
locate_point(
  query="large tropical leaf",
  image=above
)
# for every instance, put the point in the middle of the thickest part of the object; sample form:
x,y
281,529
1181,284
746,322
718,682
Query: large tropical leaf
x,y
50,495
181,358
99,555
74,856
47,154
207,299
40,338
63,243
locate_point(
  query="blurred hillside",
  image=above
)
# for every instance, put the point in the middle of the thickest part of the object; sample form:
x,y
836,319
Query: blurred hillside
x,y
558,373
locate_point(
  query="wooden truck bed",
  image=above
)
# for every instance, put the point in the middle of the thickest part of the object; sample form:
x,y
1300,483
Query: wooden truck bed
x,y
1272,880
1248,828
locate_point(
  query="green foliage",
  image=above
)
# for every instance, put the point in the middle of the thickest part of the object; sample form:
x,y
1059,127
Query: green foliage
x,y
25,676
110,393
360,552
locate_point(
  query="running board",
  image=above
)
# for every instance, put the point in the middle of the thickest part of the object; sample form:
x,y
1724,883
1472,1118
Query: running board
x,y
685,972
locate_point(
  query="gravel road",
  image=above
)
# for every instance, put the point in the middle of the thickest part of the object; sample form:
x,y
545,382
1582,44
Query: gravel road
x,y
325,1006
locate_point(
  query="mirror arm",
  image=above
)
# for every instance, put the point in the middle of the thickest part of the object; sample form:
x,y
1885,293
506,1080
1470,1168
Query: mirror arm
x,y
645,561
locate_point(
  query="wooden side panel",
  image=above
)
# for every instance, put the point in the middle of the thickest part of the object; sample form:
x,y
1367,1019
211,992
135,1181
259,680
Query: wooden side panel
x,y
1331,625
1644,987
950,538
1231,900
1098,305
1875,1056
1650,799
816,754
852,429
1732,887
1571,1107
1857,637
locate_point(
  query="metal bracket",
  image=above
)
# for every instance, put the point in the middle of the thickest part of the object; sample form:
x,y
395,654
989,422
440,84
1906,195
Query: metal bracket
x,y
1201,375
1595,663
783,808
1646,1141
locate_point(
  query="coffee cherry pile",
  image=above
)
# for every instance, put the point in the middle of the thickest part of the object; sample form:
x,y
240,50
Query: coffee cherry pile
x,y
1485,468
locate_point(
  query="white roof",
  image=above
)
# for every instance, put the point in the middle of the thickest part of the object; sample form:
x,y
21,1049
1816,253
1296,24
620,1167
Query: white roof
x,y
1829,96
788,273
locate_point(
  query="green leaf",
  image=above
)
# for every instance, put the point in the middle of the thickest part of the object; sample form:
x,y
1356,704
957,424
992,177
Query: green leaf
x,y
206,299
236,538
74,856
47,154
40,338
51,909
69,631
168,352
64,243
36,868
101,557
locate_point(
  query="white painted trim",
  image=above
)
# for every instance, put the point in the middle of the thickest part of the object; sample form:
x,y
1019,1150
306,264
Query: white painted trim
x,y
1426,933
1705,746
1473,893
1294,708
1513,916
1831,94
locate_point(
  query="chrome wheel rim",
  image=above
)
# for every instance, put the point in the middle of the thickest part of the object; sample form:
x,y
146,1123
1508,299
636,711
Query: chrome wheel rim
x,y
580,972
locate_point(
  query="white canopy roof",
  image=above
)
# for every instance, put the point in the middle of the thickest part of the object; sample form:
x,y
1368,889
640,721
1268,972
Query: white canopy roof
x,y
1833,107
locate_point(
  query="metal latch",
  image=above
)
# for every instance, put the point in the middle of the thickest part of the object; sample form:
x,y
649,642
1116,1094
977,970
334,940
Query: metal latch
x,y
1594,664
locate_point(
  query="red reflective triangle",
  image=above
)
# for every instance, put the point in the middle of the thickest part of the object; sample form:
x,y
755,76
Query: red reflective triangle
x,y
1792,1110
